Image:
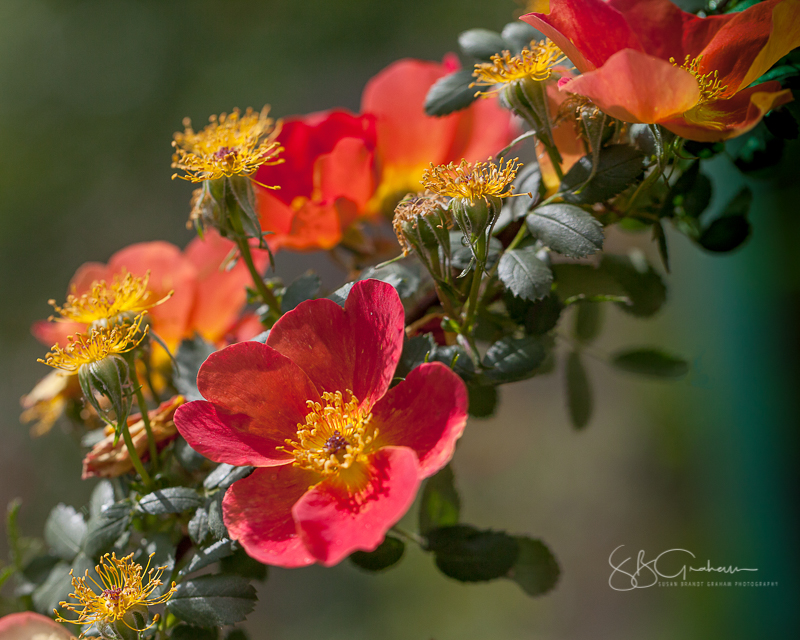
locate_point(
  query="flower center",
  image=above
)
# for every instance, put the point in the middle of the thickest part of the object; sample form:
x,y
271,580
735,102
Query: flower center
x,y
535,62
710,87
471,181
334,437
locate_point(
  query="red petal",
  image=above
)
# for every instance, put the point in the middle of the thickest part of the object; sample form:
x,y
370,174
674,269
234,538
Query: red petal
x,y
589,32
258,513
169,271
314,226
485,128
730,118
407,138
345,172
752,42
427,412
666,31
87,274
356,348
50,333
259,393
333,523
636,87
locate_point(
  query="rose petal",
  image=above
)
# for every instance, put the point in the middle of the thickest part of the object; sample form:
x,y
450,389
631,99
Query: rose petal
x,y
345,172
356,348
31,626
260,396
426,412
729,118
258,513
589,32
333,523
635,87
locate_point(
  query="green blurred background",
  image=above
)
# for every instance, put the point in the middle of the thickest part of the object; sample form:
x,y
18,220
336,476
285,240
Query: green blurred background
x,y
90,94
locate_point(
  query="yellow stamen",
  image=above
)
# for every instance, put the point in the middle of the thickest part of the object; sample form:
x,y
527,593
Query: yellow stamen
x,y
710,87
472,181
122,590
99,343
536,63
125,294
230,145
334,439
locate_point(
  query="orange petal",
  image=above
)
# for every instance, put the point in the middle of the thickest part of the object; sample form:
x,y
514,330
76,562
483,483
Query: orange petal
x,y
636,87
169,271
484,129
345,172
87,274
407,138
589,32
221,293
726,119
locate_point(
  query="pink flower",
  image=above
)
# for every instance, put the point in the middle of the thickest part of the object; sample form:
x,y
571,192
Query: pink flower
x,y
31,626
339,454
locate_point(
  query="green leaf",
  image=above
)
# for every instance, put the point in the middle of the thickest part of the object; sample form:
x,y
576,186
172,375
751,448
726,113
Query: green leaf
x,y
102,497
211,554
567,229
588,321
618,167
447,354
481,43
216,524
529,180
663,251
731,228
190,632
781,124
65,531
306,287
104,529
450,93
225,475
240,564
780,73
579,392
690,195
170,500
53,590
482,401
399,276
524,274
414,351
512,359
641,283
536,317
576,282
191,354
440,505
759,152
212,601
461,257
198,525
471,555
519,35
388,554
187,457
651,362
340,295
536,569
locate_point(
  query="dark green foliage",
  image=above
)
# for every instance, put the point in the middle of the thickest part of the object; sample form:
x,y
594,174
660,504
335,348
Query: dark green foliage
x,y
440,505
211,601
513,359
388,554
618,167
481,44
729,231
579,392
191,354
404,278
519,35
225,475
170,500
524,274
211,554
471,555
306,287
651,362
536,569
482,401
567,229
450,93
64,532
640,282
588,320
103,530
240,564
528,180
190,632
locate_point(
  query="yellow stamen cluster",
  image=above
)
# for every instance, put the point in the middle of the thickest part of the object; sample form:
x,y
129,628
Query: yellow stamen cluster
x,y
230,145
125,294
121,590
335,435
711,88
536,63
97,344
411,208
472,181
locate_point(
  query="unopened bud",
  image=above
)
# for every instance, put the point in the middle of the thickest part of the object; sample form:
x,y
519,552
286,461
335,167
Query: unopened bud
x,y
107,378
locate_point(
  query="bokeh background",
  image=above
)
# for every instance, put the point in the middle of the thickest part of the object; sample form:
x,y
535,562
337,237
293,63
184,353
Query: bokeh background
x,y
90,94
